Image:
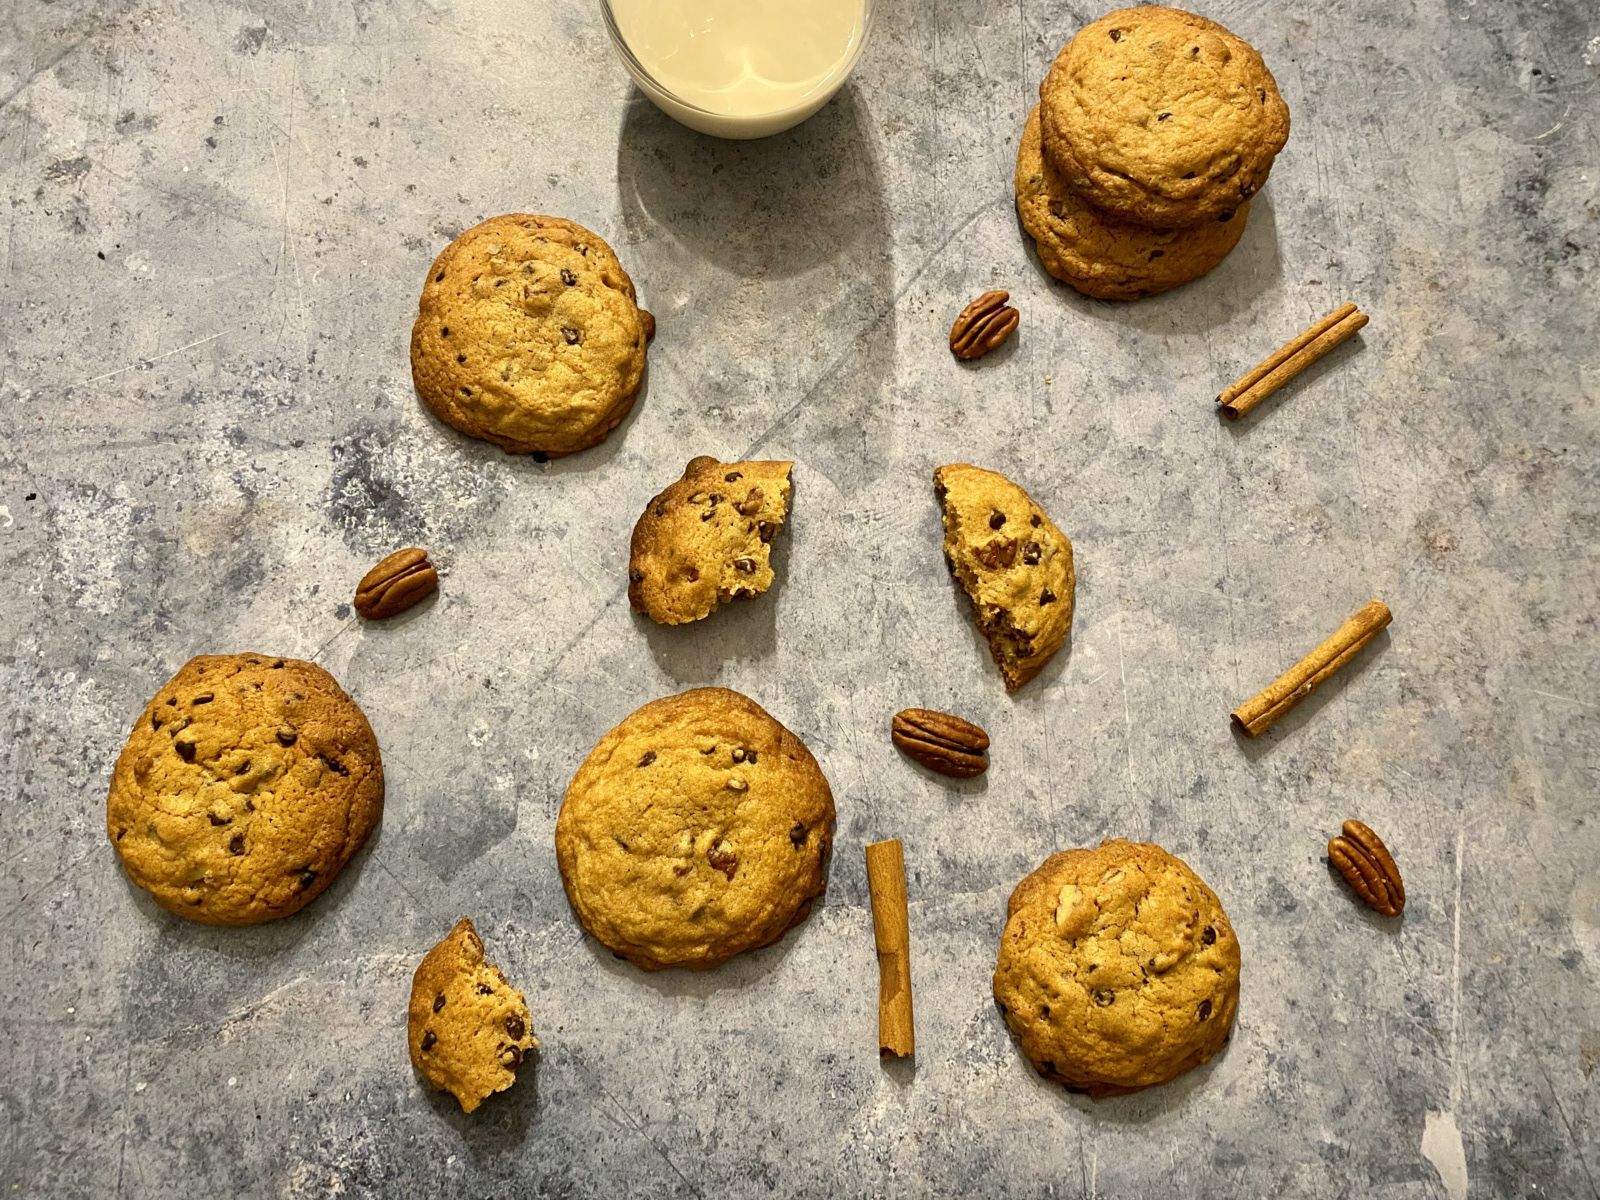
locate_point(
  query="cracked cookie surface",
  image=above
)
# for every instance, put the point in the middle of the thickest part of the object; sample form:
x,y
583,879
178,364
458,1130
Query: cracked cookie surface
x,y
1160,117
468,1029
528,336
1099,255
1118,968
707,538
1013,563
246,785
695,830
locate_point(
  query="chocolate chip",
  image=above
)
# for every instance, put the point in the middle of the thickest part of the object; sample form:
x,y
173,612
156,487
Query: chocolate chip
x,y
1116,35
438,1002
1046,597
635,575
485,990
307,877
572,335
236,844
708,514
204,698
244,769
439,278
1103,999
216,820
1203,1011
767,529
1194,51
797,835
648,758
694,574
1031,553
661,510
515,1026
1154,254
1034,520
428,1040
334,765
444,331
155,721
461,358
746,565
738,754
996,519
1163,116
750,756
583,249
288,735
1208,935
185,750
567,277
732,477
1044,1012
511,1058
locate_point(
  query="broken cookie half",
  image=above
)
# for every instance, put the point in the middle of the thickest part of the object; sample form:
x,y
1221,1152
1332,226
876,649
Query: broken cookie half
x,y
707,539
468,1028
1013,563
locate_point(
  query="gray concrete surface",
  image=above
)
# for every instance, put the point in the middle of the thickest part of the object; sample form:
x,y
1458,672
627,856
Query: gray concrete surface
x,y
218,215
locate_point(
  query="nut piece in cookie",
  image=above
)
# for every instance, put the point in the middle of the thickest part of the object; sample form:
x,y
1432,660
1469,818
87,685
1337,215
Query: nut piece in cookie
x,y
246,785
707,539
1099,255
1013,563
1118,968
468,1029
1162,118
697,829
528,336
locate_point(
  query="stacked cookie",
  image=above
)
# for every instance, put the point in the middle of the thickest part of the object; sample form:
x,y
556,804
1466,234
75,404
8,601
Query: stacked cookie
x,y
1154,128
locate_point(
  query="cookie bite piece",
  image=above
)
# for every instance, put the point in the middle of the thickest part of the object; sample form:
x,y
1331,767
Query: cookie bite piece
x,y
1161,117
246,785
468,1028
707,539
1013,563
528,335
695,830
1118,968
1100,255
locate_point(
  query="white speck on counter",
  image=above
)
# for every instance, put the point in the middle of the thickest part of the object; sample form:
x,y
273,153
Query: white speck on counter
x,y
233,1081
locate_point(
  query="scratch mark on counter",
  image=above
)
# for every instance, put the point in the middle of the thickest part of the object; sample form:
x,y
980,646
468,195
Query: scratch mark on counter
x,y
145,362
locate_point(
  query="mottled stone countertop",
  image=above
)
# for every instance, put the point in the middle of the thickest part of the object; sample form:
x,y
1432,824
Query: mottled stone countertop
x,y
217,216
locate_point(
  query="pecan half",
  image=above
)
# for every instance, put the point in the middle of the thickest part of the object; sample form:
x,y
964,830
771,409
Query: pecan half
x,y
395,584
983,325
1361,857
941,742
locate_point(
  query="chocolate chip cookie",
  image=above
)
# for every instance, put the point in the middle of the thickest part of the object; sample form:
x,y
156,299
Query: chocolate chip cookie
x,y
246,785
1099,255
1162,118
468,1029
1013,563
1118,968
528,336
697,829
707,539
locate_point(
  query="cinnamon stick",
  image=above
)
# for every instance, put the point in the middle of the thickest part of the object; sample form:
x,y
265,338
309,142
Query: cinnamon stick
x,y
1294,685
1289,359
886,881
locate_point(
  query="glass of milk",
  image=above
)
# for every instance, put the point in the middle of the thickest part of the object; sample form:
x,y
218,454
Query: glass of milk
x,y
739,68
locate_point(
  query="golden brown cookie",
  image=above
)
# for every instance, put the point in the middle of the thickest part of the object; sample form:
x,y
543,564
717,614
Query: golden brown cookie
x,y
697,829
244,788
707,539
1162,118
468,1029
1100,255
1013,563
1118,968
528,336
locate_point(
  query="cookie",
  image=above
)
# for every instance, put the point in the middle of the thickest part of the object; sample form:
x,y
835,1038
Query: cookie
x,y
468,1029
528,336
707,539
1118,968
1099,255
1013,563
246,785
697,829
1162,118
